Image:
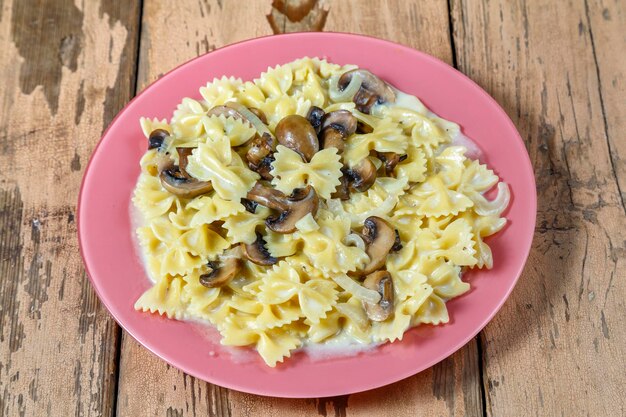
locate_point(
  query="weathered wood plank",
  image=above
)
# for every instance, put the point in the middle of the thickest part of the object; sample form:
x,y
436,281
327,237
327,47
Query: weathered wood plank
x,y
558,345
66,68
148,385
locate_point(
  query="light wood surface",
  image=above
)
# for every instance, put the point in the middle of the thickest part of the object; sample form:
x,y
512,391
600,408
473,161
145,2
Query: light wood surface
x,y
557,68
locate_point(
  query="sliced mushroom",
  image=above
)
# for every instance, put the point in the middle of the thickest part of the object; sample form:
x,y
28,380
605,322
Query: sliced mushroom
x,y
381,282
296,133
183,154
249,205
363,128
341,120
157,137
314,116
342,191
227,112
221,274
362,175
257,252
291,208
259,155
173,180
373,90
336,127
390,160
397,243
332,138
380,238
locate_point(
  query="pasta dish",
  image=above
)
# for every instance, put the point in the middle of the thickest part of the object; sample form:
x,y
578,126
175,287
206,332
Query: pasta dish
x,y
314,206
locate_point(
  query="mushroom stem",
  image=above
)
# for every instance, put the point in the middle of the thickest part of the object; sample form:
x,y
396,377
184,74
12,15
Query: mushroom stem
x,y
372,89
380,238
381,282
257,252
291,207
268,197
174,181
221,275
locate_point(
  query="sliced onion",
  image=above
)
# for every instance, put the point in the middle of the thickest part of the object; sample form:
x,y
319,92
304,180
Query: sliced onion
x,y
354,288
347,93
307,224
250,117
354,239
495,207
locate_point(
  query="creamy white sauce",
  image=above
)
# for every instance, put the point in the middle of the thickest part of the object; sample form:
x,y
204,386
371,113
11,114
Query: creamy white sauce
x,y
410,102
341,345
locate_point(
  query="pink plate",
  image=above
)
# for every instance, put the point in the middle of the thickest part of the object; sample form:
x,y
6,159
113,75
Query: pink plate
x,y
118,276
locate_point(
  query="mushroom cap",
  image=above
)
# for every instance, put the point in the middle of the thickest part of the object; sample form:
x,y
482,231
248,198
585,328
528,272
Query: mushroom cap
x,y
341,120
220,276
315,116
362,175
183,154
173,180
390,160
156,138
301,202
226,111
249,205
268,197
296,133
260,150
381,282
257,252
373,90
332,138
380,238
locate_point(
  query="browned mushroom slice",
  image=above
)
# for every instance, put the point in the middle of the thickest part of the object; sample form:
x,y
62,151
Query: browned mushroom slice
x,y
390,160
227,112
363,175
259,155
249,205
380,238
157,137
397,243
183,154
257,252
363,128
296,133
291,208
341,120
315,116
381,282
342,191
332,138
373,90
337,126
173,180
221,274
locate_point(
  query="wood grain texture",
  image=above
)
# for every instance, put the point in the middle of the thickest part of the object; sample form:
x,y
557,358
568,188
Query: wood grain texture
x,y
148,385
558,345
66,67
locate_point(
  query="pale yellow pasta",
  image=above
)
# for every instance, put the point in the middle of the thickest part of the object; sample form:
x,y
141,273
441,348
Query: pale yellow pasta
x,y
289,289
215,161
322,172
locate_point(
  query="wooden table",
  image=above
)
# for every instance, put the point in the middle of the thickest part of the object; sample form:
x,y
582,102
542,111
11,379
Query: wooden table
x,y
557,67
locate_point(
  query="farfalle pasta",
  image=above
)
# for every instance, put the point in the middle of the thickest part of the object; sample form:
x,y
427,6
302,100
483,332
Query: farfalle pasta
x,y
313,206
